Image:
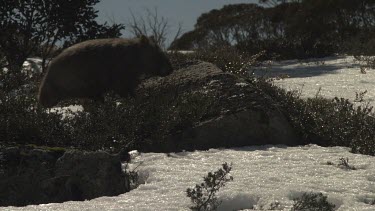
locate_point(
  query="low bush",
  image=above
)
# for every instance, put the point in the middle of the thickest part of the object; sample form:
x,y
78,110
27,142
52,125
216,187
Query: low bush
x,y
326,122
203,195
344,163
140,123
23,122
137,123
312,202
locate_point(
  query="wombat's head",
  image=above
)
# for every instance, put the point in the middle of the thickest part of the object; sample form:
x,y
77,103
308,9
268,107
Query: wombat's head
x,y
155,60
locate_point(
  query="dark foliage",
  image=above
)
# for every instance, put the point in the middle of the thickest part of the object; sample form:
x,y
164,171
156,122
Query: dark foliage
x,y
22,122
35,27
132,123
291,29
327,122
312,202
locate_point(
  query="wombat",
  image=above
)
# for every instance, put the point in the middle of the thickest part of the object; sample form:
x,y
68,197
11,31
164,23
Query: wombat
x,y
90,69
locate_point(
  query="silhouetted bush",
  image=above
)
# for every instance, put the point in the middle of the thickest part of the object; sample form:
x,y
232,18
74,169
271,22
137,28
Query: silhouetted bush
x,y
312,202
291,29
23,122
117,123
327,122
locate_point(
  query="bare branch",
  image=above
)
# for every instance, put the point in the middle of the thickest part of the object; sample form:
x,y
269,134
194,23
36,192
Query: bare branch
x,y
151,24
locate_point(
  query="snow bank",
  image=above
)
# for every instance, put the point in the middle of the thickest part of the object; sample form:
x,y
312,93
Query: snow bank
x,y
262,176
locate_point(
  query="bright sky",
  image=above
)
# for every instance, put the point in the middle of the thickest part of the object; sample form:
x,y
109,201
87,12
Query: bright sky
x,y
185,12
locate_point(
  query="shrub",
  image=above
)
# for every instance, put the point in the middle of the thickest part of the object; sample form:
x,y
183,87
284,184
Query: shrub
x,y
365,62
142,123
344,163
203,196
134,179
23,122
312,202
326,122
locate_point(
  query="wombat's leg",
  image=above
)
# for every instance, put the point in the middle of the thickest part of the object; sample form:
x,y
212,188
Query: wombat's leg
x,y
126,88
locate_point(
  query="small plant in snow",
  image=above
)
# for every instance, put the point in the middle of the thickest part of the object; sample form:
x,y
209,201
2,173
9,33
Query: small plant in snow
x,y
320,63
365,62
275,205
330,163
134,179
369,201
344,163
312,202
204,195
363,70
359,96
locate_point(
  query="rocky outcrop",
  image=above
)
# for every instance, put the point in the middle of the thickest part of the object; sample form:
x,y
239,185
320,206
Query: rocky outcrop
x,y
35,176
242,114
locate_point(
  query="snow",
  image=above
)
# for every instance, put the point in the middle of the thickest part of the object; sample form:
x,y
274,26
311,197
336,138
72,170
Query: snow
x,y
182,52
241,84
338,76
67,111
263,175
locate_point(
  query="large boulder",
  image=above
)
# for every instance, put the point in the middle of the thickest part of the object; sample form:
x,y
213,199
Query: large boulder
x,y
244,114
87,175
22,172
35,175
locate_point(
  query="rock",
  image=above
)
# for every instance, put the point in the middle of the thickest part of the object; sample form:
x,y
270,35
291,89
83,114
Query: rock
x,y
37,175
23,170
87,175
242,114
243,128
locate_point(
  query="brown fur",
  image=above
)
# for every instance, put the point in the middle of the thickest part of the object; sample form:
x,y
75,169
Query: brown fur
x,y
92,68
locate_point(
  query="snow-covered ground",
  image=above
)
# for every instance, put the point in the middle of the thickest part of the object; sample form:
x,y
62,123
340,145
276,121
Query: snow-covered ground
x,y
329,77
262,175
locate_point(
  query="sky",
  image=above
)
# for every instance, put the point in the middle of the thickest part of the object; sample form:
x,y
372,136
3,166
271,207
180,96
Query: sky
x,y
185,12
